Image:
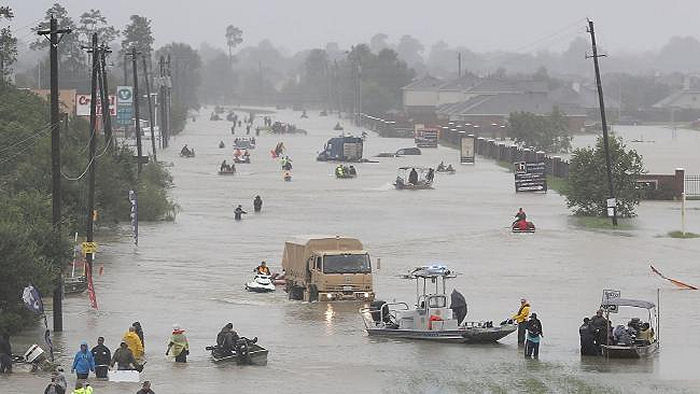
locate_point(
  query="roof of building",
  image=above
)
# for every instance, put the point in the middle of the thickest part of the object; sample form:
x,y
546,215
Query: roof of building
x,y
583,96
505,104
672,100
426,83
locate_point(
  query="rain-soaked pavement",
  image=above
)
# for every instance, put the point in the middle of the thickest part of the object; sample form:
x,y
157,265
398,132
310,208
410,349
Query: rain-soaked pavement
x,y
192,272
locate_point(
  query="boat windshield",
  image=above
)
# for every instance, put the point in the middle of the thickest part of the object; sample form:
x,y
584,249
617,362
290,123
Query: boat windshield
x,y
346,263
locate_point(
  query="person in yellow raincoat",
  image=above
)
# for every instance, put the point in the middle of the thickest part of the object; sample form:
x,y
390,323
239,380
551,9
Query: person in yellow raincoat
x,y
521,318
82,387
178,345
133,342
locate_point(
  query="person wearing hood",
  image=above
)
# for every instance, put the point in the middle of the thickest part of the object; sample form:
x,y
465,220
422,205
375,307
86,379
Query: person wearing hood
x,y
534,334
139,332
134,343
124,358
102,356
521,318
226,338
83,362
178,345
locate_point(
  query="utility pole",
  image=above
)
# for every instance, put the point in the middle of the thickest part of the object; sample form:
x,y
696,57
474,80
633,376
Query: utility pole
x,y
150,106
168,94
104,96
459,64
54,39
161,102
611,187
134,54
91,153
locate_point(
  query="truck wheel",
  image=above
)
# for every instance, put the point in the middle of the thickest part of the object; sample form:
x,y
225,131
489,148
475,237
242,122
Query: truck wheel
x,y
296,293
313,293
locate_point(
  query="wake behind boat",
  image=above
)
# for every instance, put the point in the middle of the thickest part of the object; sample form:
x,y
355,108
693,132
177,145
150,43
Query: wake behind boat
x,y
431,319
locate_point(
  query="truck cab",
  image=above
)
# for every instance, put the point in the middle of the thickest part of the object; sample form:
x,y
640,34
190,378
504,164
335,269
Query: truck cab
x,y
328,269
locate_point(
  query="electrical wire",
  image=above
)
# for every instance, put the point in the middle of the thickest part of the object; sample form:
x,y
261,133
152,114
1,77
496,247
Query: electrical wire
x,y
40,132
73,179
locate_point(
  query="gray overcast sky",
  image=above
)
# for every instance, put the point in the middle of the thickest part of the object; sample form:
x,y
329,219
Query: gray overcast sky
x,y
623,25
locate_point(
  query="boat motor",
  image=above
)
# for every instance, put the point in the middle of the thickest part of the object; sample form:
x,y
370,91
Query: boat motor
x,y
377,309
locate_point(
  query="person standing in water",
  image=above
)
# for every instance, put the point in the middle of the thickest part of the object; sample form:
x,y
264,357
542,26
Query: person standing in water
x,y
238,212
534,334
521,318
257,204
102,356
178,345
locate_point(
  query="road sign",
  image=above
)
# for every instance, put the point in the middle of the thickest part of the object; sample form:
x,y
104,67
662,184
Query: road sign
x,y
89,247
530,176
125,101
610,294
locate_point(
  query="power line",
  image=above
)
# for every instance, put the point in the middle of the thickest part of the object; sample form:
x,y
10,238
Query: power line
x,y
41,132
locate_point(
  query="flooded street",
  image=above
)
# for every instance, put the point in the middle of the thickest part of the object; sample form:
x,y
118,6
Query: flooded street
x,y
193,271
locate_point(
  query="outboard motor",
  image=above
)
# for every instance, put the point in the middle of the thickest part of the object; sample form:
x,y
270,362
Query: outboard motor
x,y
377,308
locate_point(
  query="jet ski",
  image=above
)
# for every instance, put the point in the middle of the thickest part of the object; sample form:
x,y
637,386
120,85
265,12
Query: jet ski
x,y
260,284
516,229
246,352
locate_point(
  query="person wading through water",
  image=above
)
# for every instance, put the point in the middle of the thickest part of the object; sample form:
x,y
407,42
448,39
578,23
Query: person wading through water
x,y
521,318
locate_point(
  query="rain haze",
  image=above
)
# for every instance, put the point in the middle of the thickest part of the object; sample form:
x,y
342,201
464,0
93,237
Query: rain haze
x,y
367,196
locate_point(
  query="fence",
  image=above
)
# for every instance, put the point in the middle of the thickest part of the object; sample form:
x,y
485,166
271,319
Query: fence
x,y
692,186
501,151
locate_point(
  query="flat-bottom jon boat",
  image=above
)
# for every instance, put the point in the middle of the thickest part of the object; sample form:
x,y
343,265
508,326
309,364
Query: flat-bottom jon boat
x,y
246,352
635,348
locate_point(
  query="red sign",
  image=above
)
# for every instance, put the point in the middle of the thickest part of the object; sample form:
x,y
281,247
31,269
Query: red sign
x,y
82,105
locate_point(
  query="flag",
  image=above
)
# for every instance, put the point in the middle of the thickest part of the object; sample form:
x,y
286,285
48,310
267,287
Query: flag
x,y
91,289
32,299
134,215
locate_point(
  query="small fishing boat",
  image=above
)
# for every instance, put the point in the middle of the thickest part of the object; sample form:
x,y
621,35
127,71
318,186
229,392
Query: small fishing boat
x,y
246,352
430,319
260,284
629,346
227,172
443,169
241,159
414,178
244,143
188,154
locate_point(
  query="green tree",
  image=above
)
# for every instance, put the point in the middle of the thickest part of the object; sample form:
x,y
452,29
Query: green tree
x,y
72,58
587,189
185,72
138,33
8,45
94,22
234,36
543,132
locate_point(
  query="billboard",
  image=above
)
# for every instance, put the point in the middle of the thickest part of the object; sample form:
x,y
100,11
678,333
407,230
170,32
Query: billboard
x,y
125,101
530,177
467,153
82,105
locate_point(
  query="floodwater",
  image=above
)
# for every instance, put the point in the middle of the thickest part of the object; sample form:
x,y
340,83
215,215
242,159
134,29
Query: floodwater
x,y
193,271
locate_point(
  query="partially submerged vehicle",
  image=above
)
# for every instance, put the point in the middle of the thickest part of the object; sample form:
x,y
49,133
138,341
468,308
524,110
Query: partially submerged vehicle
x,y
343,148
246,352
414,178
408,152
426,137
630,345
430,318
261,283
327,268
